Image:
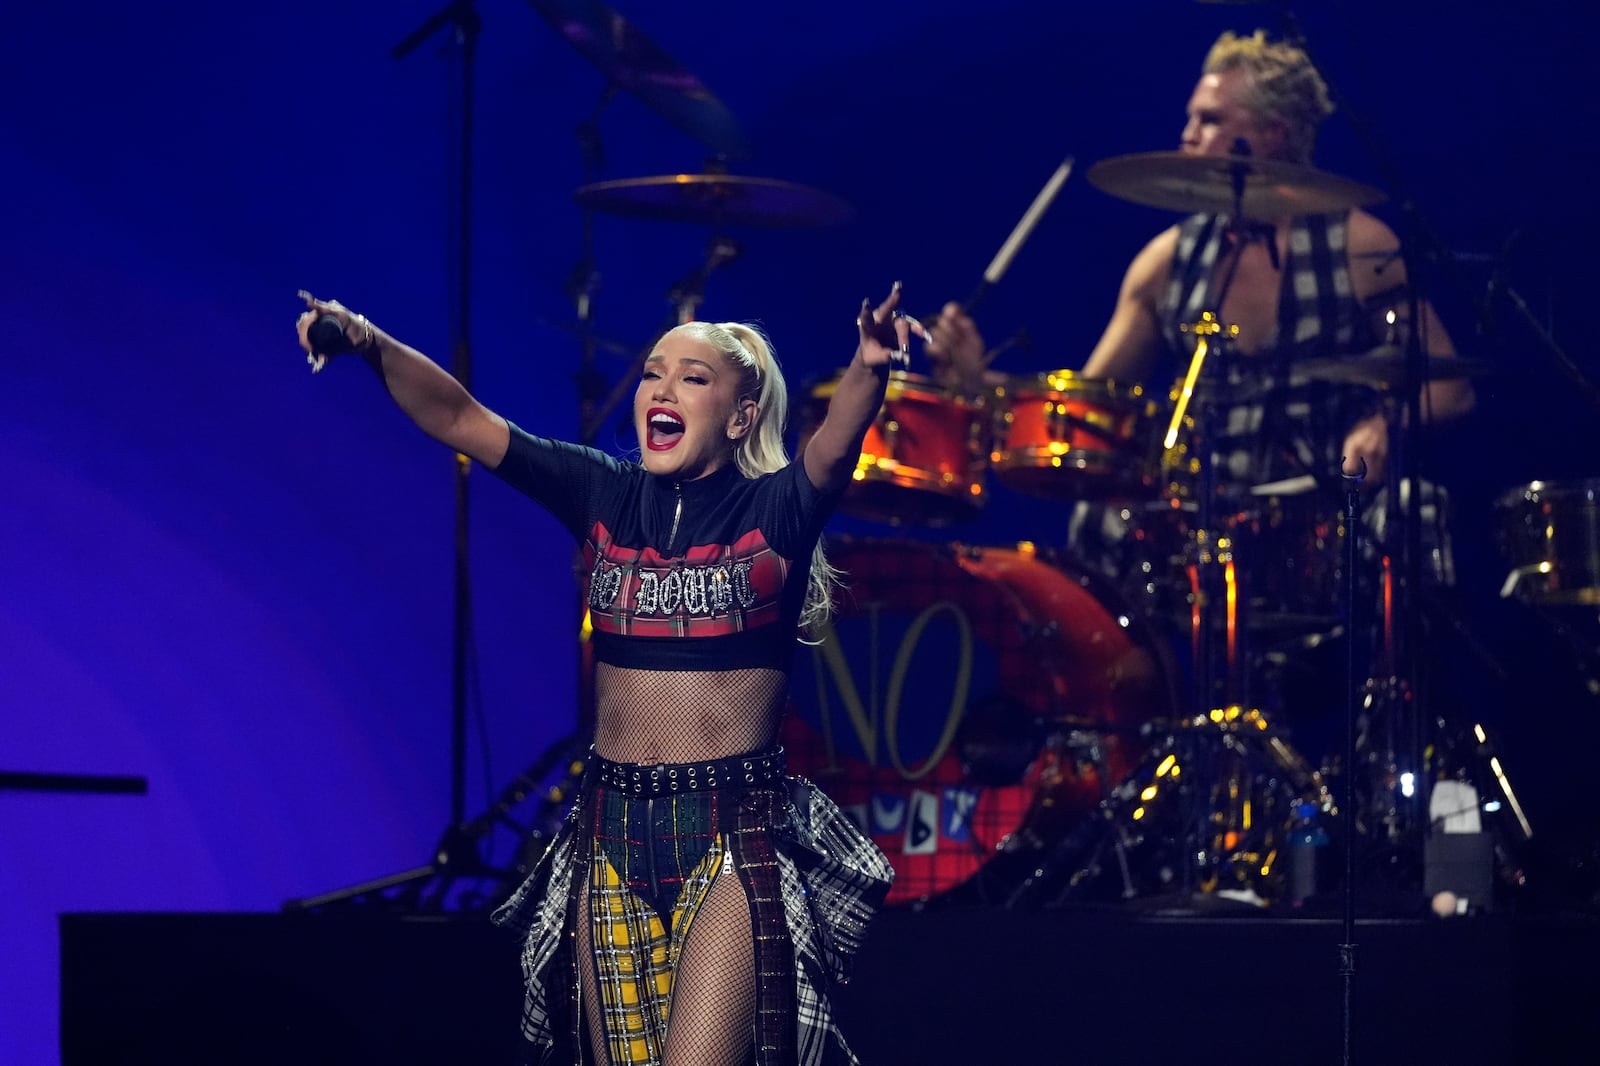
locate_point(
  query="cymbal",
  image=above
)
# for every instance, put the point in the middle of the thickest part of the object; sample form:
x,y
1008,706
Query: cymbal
x,y
1385,368
1268,188
631,61
716,200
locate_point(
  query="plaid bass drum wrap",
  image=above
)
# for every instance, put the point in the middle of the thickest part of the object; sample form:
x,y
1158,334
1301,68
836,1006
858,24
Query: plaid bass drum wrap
x,y
831,880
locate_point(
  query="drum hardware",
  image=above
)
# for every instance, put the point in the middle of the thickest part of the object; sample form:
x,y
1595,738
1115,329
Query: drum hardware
x,y
1207,809
1207,327
1221,822
685,296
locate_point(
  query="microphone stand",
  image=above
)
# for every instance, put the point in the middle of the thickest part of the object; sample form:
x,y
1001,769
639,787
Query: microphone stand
x,y
457,852
1355,689
1419,249
463,16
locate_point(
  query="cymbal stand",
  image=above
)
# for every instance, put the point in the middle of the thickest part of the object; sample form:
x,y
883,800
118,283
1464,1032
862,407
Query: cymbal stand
x,y
686,294
1213,551
584,281
1202,756
1231,747
689,292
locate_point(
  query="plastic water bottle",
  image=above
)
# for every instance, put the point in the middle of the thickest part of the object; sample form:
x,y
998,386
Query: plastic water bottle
x,y
1307,838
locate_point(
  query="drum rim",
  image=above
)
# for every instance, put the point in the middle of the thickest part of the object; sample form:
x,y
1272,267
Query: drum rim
x,y
1582,489
903,383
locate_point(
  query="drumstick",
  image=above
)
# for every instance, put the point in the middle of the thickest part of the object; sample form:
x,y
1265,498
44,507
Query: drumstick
x,y
1020,233
1002,259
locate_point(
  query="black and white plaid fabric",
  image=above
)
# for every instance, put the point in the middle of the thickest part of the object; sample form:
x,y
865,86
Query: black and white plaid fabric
x,y
1318,316
1316,307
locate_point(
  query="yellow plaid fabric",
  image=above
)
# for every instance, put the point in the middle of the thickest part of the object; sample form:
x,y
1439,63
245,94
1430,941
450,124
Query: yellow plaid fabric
x,y
636,957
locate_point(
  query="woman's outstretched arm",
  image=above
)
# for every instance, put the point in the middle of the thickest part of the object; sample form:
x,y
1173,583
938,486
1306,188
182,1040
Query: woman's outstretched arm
x,y
423,389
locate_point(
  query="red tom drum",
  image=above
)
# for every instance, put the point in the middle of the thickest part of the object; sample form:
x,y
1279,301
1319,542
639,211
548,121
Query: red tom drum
x,y
1062,437
924,459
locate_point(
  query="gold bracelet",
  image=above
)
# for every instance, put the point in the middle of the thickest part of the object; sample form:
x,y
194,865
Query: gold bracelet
x,y
369,340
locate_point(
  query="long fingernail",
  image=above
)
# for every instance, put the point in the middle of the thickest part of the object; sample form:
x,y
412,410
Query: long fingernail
x,y
896,287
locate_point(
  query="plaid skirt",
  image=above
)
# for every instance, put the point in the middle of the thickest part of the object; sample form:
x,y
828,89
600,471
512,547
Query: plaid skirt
x,y
814,882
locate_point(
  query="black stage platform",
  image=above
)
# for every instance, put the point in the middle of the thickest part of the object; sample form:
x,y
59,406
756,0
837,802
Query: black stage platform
x,y
940,986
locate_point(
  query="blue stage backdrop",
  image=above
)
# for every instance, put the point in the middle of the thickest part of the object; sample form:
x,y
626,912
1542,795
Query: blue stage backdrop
x,y
235,580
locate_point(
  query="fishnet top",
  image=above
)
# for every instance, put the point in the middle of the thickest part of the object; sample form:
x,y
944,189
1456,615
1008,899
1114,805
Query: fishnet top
x,y
676,716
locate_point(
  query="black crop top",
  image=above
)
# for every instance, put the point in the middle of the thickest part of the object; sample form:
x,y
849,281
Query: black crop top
x,y
721,592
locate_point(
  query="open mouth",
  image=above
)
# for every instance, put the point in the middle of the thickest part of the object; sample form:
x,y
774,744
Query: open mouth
x,y
663,430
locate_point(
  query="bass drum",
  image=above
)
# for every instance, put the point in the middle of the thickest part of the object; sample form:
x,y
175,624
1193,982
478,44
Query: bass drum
x,y
969,702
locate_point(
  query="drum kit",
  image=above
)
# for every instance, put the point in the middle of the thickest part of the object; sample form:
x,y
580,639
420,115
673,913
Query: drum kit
x,y
1019,723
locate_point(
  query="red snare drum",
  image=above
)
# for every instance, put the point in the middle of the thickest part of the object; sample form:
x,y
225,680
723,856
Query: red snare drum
x,y
940,711
924,458
1063,437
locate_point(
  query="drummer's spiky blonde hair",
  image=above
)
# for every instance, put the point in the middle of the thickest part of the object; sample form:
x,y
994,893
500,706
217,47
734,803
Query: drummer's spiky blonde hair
x,y
1283,87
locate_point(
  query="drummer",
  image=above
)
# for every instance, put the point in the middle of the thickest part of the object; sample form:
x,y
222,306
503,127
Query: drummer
x,y
1328,285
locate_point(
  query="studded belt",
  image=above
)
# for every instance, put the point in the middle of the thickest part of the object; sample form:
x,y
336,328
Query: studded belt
x,y
664,779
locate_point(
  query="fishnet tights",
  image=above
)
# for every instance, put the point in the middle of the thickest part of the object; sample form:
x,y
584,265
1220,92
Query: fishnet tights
x,y
712,1008
654,716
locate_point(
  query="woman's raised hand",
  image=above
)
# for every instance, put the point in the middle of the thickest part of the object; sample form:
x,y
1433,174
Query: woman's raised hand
x,y
885,332
358,332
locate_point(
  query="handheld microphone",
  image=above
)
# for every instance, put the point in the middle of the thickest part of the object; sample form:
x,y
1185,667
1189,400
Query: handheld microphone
x,y
328,338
